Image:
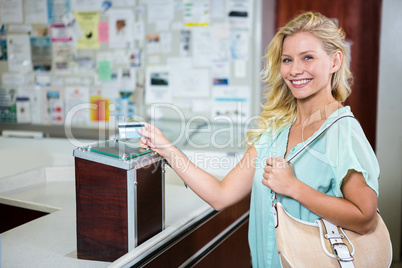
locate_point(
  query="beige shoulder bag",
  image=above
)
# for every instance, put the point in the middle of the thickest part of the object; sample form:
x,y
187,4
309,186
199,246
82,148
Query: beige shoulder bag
x,y
323,244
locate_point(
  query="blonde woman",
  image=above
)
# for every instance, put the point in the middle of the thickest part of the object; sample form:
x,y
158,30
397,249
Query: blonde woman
x,y
308,78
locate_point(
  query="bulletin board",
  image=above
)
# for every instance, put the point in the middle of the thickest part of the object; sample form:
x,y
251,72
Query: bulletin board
x,y
82,62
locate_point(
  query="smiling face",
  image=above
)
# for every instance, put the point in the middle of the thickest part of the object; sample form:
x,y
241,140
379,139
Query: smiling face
x,y
306,67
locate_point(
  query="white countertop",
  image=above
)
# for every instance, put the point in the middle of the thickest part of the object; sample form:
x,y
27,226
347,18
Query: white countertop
x,y
50,241
39,174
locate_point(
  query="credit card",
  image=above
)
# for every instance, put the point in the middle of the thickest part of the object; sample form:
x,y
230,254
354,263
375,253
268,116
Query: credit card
x,y
128,130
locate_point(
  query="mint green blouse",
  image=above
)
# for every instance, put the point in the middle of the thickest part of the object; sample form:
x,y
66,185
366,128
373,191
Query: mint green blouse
x,y
322,165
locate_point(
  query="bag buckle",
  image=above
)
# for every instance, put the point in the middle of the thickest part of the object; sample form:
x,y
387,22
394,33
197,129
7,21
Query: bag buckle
x,y
342,252
334,236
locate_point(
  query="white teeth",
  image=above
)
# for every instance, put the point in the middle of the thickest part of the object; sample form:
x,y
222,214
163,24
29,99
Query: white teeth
x,y
299,82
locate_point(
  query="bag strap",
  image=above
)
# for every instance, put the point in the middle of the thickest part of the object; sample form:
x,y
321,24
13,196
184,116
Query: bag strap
x,y
340,249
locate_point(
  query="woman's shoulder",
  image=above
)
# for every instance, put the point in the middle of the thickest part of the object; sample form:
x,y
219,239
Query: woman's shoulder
x,y
344,119
345,124
347,134
270,139
343,112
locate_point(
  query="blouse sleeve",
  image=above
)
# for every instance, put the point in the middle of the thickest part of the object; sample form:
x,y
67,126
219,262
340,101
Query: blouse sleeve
x,y
349,149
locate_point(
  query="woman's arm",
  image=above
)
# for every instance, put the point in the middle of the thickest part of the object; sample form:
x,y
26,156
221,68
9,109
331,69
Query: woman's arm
x,y
219,194
356,211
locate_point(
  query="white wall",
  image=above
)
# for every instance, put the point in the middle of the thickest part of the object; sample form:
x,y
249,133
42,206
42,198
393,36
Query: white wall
x,y
389,127
18,155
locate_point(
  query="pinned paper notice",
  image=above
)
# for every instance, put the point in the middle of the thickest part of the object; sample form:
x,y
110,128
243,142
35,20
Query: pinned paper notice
x,y
104,70
103,30
240,68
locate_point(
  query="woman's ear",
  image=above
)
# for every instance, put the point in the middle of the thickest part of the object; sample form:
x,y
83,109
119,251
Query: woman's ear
x,y
336,61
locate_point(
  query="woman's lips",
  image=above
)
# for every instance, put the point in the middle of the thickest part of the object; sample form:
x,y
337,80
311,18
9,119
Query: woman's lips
x,y
300,83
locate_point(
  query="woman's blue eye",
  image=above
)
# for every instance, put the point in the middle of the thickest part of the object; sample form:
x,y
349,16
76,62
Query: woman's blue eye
x,y
308,57
286,60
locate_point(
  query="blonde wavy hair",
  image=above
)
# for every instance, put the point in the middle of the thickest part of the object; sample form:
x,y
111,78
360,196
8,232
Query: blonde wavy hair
x,y
280,108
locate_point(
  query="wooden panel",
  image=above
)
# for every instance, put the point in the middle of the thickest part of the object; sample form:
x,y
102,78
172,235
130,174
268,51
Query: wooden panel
x,y
149,201
233,252
361,21
12,216
101,195
102,211
197,238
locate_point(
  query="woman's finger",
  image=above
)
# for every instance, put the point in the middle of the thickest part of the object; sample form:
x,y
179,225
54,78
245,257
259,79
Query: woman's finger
x,y
273,162
281,163
143,132
147,125
268,169
265,182
151,128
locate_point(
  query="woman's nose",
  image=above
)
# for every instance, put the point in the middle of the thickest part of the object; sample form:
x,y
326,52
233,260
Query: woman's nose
x,y
296,68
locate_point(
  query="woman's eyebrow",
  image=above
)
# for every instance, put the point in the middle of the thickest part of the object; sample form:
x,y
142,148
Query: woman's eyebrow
x,y
301,53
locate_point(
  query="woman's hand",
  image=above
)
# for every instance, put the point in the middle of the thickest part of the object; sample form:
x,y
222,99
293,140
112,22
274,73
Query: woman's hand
x,y
279,176
154,139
